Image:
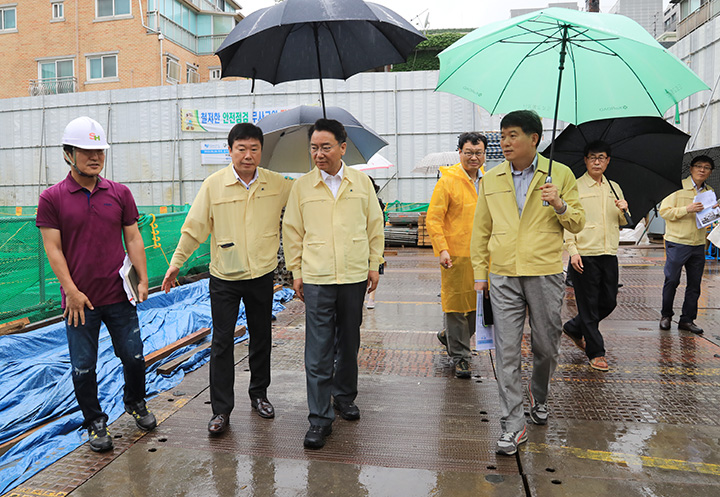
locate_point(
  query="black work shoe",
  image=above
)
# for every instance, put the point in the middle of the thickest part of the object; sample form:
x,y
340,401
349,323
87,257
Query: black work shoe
x,y
144,419
348,410
462,369
665,323
690,326
99,436
442,338
315,436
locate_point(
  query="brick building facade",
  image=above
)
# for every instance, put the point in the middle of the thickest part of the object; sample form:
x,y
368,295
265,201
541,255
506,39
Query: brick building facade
x,y
65,46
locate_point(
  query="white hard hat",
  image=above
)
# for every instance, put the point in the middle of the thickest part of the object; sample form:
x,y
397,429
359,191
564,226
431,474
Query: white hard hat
x,y
85,133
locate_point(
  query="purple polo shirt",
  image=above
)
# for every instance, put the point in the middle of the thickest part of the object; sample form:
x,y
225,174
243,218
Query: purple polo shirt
x,y
91,228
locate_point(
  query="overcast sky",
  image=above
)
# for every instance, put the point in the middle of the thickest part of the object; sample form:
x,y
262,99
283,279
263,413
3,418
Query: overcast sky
x,y
450,13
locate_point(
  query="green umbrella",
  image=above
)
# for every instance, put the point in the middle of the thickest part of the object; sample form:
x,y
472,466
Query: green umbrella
x,y
569,65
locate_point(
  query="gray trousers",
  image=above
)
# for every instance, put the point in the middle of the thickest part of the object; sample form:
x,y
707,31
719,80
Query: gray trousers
x,y
510,297
333,315
459,328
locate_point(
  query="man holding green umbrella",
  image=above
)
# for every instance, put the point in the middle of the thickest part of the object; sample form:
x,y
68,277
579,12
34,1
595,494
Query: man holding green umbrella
x,y
516,253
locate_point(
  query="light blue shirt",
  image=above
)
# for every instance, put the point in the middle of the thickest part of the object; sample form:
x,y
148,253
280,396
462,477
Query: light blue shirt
x,y
522,180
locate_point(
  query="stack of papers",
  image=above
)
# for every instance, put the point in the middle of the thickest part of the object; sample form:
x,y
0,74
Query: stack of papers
x,y
710,210
130,280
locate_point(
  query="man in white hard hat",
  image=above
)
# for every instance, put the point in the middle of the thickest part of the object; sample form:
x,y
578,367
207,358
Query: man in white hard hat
x,y
83,220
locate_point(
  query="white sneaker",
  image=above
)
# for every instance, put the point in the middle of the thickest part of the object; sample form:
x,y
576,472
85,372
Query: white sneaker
x,y
538,411
508,443
370,304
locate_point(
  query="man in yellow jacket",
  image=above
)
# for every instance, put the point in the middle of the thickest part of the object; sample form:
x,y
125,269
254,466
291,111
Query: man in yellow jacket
x,y
593,254
685,245
449,220
239,207
333,241
516,251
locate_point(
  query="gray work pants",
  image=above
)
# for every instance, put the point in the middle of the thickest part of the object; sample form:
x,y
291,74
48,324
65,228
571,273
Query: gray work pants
x,y
333,315
459,328
510,297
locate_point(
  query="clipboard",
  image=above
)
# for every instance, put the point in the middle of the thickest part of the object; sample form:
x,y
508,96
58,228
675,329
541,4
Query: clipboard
x,y
484,329
130,280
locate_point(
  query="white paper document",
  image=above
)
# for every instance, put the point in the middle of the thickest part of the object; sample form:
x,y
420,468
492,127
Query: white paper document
x,y
484,335
709,213
130,280
714,236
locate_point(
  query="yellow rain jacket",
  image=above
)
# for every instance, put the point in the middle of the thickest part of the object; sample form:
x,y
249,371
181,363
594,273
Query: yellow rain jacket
x,y
449,223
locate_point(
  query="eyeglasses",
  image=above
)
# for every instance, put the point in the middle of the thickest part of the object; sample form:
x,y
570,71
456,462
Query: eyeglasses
x,y
469,154
326,149
597,158
702,168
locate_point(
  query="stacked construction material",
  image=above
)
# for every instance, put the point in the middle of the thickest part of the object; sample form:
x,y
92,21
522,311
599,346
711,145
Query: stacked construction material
x,y
423,236
402,228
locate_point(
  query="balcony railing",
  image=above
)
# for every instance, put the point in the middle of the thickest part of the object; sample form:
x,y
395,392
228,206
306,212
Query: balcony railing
x,y
698,17
199,45
52,86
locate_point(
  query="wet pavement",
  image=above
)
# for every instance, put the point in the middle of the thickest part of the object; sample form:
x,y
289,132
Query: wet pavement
x,y
648,427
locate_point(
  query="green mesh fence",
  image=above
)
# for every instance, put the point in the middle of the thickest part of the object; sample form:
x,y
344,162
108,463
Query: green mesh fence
x,y
28,287
398,206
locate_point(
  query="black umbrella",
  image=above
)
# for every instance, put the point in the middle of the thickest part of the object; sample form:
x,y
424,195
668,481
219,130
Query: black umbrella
x,y
308,39
714,154
286,144
646,159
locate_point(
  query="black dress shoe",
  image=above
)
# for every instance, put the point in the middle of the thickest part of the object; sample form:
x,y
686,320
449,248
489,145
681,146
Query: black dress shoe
x,y
691,327
347,410
218,424
665,323
315,436
263,407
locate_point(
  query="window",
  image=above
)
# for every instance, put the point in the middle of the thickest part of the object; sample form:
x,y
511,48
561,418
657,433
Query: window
x,y
215,73
102,67
58,12
191,73
173,69
7,18
56,76
112,8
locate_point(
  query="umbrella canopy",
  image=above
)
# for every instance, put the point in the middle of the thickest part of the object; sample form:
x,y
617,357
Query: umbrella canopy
x,y
614,68
286,144
646,158
714,154
308,39
377,161
431,163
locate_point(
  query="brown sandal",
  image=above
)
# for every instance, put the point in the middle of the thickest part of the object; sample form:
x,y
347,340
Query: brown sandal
x,y
599,363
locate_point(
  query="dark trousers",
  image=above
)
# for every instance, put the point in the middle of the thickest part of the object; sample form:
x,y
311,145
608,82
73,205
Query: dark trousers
x,y
596,297
257,294
692,257
333,315
122,323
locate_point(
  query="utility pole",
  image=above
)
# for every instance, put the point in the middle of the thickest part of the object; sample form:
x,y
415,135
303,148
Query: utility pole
x,y
592,5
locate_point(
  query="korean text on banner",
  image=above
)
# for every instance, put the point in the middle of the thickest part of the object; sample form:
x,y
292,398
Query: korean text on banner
x,y
484,335
214,120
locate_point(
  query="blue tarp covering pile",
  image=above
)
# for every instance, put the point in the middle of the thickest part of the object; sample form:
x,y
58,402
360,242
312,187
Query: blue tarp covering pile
x,y
36,384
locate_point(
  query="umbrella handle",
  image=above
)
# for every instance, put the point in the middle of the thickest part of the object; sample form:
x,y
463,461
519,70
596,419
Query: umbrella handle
x,y
628,218
545,202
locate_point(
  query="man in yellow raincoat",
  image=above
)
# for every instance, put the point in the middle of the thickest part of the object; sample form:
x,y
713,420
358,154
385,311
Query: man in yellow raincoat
x,y
449,224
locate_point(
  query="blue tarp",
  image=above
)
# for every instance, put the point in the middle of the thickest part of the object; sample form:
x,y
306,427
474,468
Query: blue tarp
x,y
36,384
